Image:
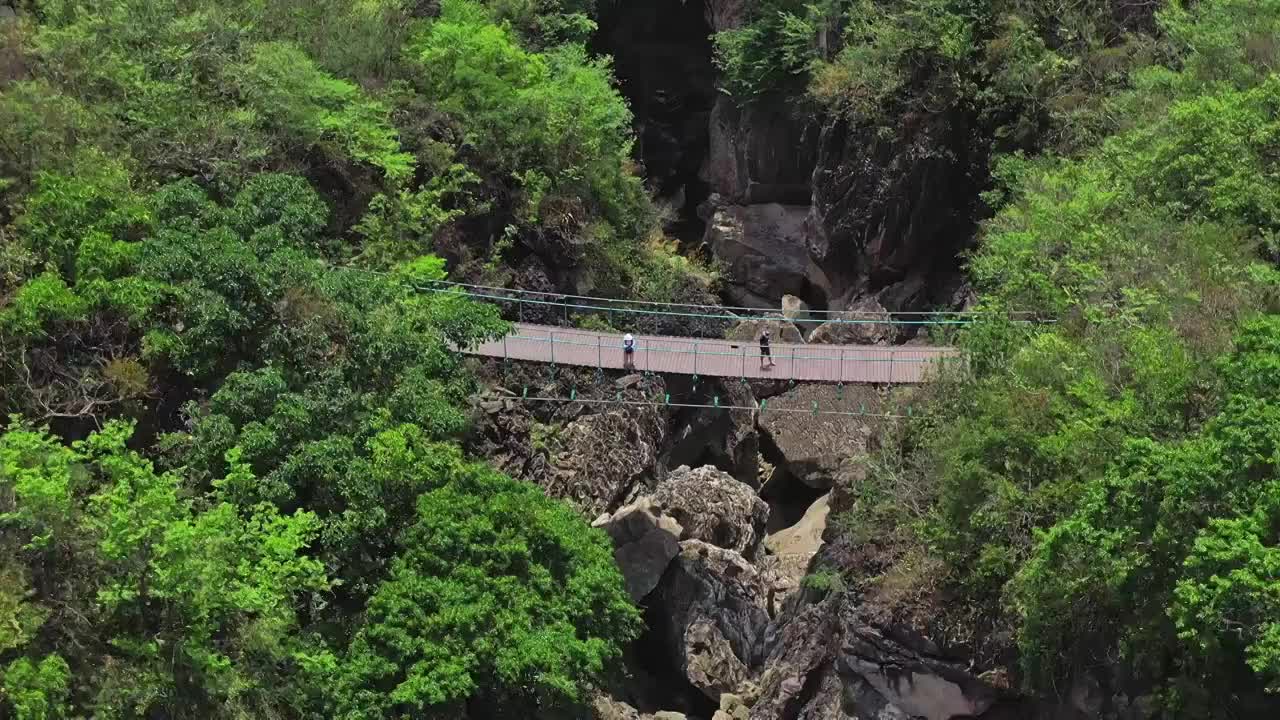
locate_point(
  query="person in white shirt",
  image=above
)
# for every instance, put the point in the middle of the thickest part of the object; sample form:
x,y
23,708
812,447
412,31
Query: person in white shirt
x,y
628,351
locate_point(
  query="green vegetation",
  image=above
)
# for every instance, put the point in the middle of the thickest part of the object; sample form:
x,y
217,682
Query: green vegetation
x,y
1020,74
1106,487
230,482
824,581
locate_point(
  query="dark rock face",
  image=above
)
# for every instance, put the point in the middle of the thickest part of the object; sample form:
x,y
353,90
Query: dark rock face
x,y
763,249
762,153
884,216
906,672
725,439
833,659
887,211
662,57
712,604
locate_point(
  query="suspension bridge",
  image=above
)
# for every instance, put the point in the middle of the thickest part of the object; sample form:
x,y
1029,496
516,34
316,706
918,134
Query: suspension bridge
x,y
717,358
543,342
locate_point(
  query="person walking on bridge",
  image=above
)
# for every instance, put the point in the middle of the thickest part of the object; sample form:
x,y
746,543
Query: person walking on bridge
x,y
628,352
764,350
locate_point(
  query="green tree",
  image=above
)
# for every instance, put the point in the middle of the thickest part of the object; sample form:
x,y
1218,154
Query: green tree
x,y
192,602
37,691
501,600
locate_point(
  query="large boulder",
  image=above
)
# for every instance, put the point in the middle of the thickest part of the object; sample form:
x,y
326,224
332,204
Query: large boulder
x,y
794,309
732,707
645,541
895,670
711,603
607,458
604,707
866,322
763,248
810,448
780,331
713,507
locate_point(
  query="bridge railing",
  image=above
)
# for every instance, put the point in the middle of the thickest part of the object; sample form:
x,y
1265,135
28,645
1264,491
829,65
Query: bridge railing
x,y
713,321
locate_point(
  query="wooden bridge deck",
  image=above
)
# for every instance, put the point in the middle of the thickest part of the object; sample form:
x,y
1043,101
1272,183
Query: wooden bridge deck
x,y
718,358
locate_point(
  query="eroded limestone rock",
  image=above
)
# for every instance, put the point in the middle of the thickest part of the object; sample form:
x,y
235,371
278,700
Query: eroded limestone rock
x,y
607,457
748,331
713,507
811,448
644,541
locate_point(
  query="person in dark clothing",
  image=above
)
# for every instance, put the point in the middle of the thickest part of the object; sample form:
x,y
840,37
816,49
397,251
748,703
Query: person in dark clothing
x,y
764,350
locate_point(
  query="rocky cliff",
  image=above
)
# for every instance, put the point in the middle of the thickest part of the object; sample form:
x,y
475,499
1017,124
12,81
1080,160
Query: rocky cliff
x,y
753,602
808,203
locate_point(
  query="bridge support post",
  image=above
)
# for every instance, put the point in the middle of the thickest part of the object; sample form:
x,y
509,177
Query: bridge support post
x,y
599,353
841,379
892,355
553,348
695,360
744,362
520,310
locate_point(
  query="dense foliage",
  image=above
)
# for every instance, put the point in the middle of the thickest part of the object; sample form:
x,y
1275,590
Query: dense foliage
x,y
230,485
1104,488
